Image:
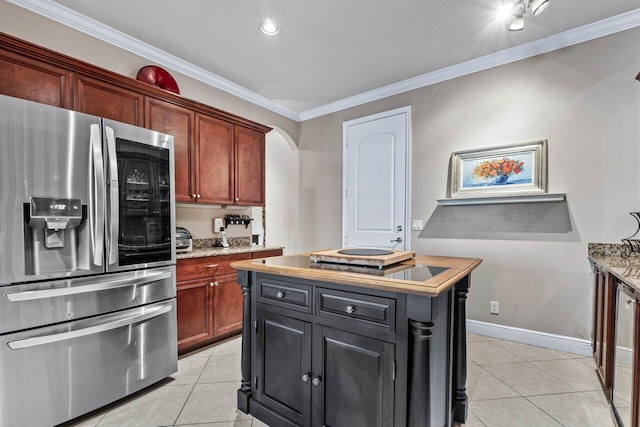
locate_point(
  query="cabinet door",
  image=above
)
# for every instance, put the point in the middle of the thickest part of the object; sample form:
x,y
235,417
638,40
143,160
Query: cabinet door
x,y
171,119
227,305
33,80
195,308
354,377
107,100
214,160
283,357
249,165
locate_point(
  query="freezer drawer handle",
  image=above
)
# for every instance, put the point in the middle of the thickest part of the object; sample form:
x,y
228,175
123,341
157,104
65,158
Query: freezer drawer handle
x,y
112,284
64,336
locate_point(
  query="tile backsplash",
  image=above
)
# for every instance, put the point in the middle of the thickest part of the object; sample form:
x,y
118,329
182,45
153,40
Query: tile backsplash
x,y
199,221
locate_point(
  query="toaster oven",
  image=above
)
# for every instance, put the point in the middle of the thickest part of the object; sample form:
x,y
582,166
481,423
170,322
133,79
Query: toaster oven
x,y
184,240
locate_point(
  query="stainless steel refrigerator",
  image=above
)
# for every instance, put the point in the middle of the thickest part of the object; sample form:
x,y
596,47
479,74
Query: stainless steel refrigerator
x,y
87,262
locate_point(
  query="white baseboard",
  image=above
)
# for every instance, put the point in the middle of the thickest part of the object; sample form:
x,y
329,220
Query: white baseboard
x,y
526,336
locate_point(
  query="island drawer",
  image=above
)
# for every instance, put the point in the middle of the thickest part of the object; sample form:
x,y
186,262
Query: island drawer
x,y
289,295
371,310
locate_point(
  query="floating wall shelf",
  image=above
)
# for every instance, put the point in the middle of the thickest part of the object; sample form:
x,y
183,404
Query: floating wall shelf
x,y
529,198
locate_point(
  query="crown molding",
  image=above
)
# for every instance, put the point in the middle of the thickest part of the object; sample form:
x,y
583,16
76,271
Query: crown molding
x,y
84,24
568,38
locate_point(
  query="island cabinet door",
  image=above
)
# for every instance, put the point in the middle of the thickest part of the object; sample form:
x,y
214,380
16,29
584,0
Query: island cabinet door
x,y
353,380
283,356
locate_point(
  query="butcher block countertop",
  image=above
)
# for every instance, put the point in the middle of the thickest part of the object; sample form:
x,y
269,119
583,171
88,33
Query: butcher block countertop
x,y
425,275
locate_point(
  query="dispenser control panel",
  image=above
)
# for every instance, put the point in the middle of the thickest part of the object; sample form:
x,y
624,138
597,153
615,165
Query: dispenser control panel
x,y
46,207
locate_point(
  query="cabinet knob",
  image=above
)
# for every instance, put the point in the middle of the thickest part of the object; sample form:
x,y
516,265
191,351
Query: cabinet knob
x,y
305,378
350,309
237,199
216,283
193,196
280,295
316,380
211,284
197,196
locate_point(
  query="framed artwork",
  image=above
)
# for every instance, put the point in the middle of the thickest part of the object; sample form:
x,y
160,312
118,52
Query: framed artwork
x,y
509,170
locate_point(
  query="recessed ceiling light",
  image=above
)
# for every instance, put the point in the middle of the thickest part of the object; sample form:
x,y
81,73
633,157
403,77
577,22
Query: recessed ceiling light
x,y
504,12
269,27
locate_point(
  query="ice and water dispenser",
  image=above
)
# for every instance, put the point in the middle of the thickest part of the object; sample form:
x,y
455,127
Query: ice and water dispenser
x,y
53,240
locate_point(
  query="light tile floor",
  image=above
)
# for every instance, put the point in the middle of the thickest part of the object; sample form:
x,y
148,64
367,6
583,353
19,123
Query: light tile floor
x,y
509,384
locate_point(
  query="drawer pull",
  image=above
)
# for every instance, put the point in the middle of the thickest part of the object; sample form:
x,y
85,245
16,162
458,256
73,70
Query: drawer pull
x,y
213,266
280,295
350,309
305,378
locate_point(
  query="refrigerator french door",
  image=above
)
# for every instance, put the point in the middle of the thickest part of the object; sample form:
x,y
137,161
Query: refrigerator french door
x,y
87,272
140,217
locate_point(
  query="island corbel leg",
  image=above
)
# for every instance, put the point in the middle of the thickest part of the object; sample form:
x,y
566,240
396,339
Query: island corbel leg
x,y
460,402
244,393
420,385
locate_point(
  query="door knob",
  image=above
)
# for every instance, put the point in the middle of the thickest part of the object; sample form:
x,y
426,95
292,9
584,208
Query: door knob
x,y
398,240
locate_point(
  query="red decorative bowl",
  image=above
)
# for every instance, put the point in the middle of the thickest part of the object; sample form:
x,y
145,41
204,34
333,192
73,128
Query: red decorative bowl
x,y
158,77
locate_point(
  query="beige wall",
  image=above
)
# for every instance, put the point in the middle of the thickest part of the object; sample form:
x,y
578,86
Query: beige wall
x,y
36,29
584,101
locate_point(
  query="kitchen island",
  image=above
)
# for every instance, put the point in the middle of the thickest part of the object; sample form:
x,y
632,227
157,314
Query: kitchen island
x,y
327,344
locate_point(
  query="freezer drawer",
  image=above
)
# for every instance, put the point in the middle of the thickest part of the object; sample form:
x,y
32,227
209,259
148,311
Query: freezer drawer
x,y
38,304
53,374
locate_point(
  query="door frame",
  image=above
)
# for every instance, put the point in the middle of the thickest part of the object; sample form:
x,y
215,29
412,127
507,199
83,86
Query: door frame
x,y
407,178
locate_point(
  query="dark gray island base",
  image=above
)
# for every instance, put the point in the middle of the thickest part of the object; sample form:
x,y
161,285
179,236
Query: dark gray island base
x,y
327,345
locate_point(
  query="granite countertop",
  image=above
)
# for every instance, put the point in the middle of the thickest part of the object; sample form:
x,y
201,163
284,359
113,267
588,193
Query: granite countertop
x,y
300,266
231,250
609,258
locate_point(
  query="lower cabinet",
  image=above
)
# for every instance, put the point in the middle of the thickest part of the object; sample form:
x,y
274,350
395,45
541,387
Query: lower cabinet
x,y
317,375
209,299
603,327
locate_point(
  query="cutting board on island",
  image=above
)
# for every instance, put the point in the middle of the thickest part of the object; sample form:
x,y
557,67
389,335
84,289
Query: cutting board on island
x,y
369,260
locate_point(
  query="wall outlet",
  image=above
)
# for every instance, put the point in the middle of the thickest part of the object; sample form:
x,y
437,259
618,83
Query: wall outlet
x,y
494,307
217,225
417,224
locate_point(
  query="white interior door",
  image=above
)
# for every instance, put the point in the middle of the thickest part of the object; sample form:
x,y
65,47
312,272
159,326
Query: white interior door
x,y
376,180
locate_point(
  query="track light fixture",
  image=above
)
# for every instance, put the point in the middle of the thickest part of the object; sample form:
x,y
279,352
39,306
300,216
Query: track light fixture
x,y
514,10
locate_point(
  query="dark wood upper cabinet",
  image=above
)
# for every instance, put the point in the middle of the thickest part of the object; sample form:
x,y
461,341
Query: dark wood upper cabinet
x,y
106,100
33,80
219,157
214,160
178,121
249,167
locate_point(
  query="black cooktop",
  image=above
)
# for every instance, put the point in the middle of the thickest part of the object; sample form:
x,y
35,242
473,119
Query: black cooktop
x,y
418,273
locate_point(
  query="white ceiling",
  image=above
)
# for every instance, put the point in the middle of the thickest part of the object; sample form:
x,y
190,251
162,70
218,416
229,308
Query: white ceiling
x,y
333,53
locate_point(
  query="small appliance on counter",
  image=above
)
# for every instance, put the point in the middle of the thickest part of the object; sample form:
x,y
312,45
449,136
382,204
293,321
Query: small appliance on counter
x,y
184,240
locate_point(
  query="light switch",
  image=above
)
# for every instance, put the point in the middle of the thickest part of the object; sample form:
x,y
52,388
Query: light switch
x,y
417,225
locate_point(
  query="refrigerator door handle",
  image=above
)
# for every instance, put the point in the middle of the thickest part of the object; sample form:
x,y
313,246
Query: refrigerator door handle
x,y
113,196
141,316
101,286
97,205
